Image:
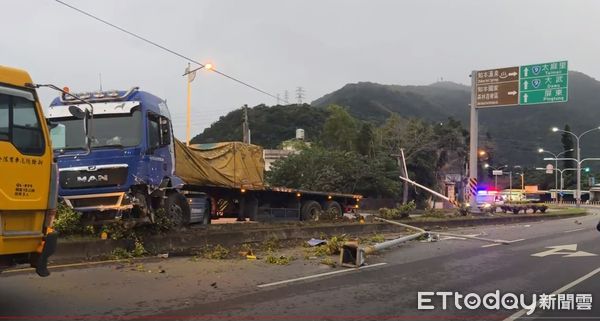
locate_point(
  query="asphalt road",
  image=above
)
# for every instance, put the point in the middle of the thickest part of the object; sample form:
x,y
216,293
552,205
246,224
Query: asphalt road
x,y
543,257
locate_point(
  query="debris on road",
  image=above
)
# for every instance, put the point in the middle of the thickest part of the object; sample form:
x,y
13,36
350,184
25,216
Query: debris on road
x,y
316,242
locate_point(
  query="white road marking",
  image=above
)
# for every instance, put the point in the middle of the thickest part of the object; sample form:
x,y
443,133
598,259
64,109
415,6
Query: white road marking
x,y
509,242
575,230
319,275
559,291
571,251
457,237
490,245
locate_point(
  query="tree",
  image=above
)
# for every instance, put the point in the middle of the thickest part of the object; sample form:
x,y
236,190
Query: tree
x,y
364,140
339,130
329,170
569,147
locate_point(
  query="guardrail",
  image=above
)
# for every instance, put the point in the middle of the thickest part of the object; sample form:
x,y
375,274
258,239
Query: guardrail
x,y
595,203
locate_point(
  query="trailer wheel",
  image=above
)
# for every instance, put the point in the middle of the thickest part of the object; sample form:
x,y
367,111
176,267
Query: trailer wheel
x,y
516,210
311,210
178,209
333,209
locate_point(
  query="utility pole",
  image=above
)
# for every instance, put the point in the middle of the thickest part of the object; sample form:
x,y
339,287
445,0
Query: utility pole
x,y
286,97
278,100
300,95
404,171
246,126
190,78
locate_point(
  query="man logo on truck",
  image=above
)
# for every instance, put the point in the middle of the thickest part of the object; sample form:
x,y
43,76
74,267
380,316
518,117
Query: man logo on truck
x,y
92,178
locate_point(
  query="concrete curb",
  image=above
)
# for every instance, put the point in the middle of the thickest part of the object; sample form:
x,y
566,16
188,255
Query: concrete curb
x,y
521,218
186,242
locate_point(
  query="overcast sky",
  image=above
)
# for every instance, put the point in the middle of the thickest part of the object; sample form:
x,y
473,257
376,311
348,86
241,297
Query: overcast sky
x,y
278,45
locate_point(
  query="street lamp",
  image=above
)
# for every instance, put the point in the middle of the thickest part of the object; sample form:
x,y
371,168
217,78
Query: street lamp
x,y
495,176
191,75
578,148
562,181
541,150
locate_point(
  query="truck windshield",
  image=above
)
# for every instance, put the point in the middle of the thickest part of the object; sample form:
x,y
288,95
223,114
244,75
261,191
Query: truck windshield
x,y
115,130
19,121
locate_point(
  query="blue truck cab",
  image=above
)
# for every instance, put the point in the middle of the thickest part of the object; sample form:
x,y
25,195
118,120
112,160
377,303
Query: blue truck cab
x,y
129,170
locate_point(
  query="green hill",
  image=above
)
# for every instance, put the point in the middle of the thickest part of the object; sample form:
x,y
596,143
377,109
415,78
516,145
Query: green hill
x,y
269,126
516,132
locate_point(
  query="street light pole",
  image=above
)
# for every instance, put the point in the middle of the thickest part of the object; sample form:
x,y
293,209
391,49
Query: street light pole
x,y
577,139
495,176
191,75
541,150
510,185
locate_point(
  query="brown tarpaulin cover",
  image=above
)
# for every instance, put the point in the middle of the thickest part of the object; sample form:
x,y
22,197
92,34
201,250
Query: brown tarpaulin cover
x,y
229,164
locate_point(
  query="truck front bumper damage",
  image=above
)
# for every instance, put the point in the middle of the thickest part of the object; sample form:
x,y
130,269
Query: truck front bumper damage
x,y
99,202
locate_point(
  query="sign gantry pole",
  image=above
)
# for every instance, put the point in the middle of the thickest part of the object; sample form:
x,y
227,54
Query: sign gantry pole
x,y
473,135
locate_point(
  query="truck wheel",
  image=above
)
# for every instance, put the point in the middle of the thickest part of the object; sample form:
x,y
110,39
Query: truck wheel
x,y
178,209
333,208
311,210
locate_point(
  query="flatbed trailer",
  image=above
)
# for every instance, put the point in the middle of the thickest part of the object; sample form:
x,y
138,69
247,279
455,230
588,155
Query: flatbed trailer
x,y
273,202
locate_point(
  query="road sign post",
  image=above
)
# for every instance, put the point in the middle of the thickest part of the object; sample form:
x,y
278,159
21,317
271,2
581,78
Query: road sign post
x,y
473,140
513,86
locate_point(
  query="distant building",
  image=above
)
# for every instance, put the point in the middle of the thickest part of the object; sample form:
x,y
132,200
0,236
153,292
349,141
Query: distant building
x,y
271,155
288,147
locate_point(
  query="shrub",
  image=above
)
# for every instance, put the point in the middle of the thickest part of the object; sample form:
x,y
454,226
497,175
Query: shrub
x,y
68,222
120,253
162,221
217,252
402,211
377,238
279,260
406,209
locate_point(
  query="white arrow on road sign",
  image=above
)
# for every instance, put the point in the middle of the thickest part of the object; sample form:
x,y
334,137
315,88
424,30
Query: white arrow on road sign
x,y
525,98
568,250
525,84
525,72
512,74
512,93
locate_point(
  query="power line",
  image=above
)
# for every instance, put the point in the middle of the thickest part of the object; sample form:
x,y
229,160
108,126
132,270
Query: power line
x,y
163,47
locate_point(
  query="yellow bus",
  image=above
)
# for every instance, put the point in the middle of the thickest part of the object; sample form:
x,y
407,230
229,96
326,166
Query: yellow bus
x,y
28,176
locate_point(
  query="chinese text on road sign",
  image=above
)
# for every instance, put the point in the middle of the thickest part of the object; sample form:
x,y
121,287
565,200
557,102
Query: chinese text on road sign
x,y
523,85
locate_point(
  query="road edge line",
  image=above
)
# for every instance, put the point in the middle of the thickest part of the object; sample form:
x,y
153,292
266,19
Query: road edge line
x,y
560,290
319,275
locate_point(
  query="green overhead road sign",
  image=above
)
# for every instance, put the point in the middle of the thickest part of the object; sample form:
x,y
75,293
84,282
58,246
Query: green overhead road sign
x,y
522,85
543,83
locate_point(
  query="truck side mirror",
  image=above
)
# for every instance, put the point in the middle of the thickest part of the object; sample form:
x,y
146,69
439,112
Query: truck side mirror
x,y
165,132
77,112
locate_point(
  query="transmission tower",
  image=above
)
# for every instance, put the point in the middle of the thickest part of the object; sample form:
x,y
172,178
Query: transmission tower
x,y
300,95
